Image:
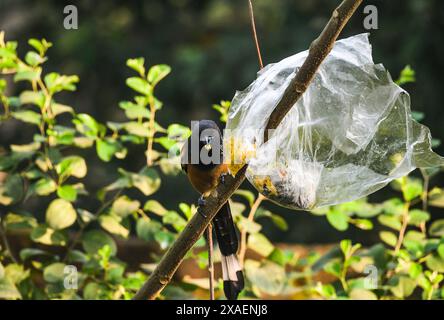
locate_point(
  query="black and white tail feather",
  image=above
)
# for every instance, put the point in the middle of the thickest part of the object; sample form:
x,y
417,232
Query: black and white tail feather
x,y
228,245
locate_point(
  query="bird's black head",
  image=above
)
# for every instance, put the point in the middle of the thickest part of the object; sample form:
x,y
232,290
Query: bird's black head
x,y
204,146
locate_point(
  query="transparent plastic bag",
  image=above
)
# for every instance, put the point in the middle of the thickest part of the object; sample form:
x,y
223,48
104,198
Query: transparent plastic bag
x,y
350,134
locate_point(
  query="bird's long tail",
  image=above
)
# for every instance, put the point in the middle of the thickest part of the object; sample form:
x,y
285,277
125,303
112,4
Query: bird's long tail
x,y
228,245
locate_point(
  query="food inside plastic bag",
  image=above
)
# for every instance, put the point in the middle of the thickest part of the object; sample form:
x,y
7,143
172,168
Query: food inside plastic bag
x,y
350,134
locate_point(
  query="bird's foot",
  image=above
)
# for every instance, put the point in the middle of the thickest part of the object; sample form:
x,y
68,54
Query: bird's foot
x,y
201,203
222,177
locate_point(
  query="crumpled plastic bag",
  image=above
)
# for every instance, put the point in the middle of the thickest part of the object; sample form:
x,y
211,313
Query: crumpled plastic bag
x,y
350,134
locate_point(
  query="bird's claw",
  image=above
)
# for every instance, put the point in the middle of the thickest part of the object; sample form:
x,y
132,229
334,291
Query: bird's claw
x,y
201,201
222,177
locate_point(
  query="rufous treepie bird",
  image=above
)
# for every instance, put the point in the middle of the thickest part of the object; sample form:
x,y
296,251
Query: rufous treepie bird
x,y
202,160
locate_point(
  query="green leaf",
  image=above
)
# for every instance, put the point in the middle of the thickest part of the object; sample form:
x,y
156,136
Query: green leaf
x,y
282,257
28,75
390,221
268,278
393,207
388,237
440,250
8,291
45,186
187,210
40,45
146,229
435,263
137,129
26,148
415,270
60,214
67,192
137,65
334,268
56,82
106,148
259,243
140,85
178,132
174,219
401,286
19,221
155,207
31,97
248,195
28,116
124,206
416,217
54,272
58,108
76,256
167,143
34,59
72,166
326,290
134,111
363,224
157,73
437,228
338,219
249,226
436,197
412,189
362,294
16,273
28,253
94,240
12,189
94,291
147,181
346,246
43,234
88,125
407,75
112,224
418,116
279,222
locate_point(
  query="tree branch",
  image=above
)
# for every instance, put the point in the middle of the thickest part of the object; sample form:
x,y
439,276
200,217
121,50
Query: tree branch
x,y
319,49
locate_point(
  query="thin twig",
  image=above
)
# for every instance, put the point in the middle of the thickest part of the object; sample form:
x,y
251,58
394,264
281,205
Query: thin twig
x,y
210,260
152,132
424,197
197,225
243,246
405,221
253,28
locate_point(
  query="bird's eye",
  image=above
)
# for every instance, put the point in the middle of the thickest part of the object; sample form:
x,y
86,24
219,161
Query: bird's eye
x,y
208,139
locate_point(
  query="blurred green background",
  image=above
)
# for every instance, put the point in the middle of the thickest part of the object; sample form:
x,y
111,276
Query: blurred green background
x,y
210,49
